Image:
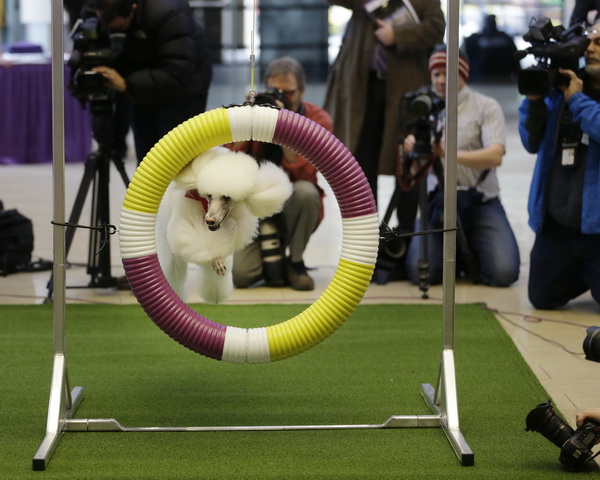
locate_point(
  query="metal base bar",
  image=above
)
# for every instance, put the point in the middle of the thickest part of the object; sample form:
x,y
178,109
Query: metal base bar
x,y
444,402
459,444
52,438
112,425
53,435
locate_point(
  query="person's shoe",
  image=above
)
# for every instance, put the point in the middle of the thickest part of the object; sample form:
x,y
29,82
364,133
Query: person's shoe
x,y
122,283
298,276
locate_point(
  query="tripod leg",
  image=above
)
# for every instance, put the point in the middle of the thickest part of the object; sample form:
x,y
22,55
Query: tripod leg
x,y
118,161
89,175
470,262
423,262
99,254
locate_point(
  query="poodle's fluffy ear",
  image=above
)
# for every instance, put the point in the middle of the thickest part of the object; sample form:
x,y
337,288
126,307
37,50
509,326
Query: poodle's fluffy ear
x,y
271,190
220,172
186,178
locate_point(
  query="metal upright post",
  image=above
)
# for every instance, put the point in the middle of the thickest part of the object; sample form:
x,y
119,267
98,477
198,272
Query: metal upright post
x,y
444,400
62,403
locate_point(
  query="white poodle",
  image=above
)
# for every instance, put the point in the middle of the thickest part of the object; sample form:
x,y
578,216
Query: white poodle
x,y
211,210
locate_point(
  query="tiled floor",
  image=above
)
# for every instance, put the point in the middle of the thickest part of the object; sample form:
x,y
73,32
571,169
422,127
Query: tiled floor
x,y
550,341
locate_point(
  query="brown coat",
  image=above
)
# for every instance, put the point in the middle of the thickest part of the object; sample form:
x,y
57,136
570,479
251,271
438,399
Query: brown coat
x,y
345,98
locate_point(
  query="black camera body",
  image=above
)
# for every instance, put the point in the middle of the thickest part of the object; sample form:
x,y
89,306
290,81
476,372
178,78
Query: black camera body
x,y
575,445
427,107
270,97
91,48
553,47
591,344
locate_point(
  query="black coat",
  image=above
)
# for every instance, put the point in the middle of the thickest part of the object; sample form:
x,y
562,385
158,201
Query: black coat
x,y
346,95
581,10
165,55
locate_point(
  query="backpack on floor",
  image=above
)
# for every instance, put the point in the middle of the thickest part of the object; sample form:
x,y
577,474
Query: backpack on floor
x,y
16,241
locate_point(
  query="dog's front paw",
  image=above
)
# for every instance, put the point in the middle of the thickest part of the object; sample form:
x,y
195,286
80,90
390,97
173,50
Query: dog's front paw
x,y
218,266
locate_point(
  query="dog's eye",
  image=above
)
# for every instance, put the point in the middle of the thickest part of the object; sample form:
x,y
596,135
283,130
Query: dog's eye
x,y
226,198
208,196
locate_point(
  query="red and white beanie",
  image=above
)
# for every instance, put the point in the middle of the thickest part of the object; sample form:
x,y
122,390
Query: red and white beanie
x,y
438,60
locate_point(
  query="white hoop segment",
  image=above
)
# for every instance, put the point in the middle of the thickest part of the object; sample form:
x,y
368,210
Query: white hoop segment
x,y
359,244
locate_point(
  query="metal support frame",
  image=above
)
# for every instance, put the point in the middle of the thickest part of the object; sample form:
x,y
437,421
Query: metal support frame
x,y
442,400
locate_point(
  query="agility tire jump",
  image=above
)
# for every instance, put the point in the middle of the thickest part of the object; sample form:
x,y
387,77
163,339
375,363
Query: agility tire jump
x,y
359,244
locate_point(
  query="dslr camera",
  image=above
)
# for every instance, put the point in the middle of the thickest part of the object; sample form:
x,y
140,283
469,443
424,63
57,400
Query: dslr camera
x,y
575,445
427,107
270,97
91,48
553,47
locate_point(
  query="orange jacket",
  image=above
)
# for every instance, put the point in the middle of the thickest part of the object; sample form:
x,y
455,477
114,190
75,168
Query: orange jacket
x,y
300,168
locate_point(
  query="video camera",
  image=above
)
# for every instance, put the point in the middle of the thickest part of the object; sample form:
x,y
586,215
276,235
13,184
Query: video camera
x,y
91,48
553,47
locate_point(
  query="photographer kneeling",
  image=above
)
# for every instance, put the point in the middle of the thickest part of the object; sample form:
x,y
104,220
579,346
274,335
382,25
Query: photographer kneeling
x,y
265,258
562,127
485,227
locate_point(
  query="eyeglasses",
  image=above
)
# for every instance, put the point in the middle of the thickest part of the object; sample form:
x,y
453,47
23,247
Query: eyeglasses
x,y
287,93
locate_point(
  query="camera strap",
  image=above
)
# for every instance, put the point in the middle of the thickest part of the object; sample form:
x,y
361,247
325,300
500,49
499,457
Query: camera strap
x,y
571,136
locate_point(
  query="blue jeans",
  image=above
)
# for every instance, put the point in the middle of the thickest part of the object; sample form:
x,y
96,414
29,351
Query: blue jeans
x,y
564,264
489,236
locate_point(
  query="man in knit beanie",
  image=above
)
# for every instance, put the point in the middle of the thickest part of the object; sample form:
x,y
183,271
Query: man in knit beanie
x,y
480,148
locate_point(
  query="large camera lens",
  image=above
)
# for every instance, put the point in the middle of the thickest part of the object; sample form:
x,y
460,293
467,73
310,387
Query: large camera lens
x,y
591,344
543,419
421,105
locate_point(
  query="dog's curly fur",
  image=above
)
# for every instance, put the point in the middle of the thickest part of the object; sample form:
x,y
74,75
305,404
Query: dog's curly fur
x,y
238,191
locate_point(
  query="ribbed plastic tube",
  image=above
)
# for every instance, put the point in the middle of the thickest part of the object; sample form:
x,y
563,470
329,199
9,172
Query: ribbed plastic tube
x,y
359,243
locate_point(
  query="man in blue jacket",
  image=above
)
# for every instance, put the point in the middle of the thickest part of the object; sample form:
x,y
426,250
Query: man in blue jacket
x,y
563,128
164,69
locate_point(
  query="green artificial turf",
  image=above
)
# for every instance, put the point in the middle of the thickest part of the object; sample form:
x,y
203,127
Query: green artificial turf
x,y
369,370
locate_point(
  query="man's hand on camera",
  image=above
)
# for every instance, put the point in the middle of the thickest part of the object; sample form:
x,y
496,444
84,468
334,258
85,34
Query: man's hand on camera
x,y
592,414
439,149
409,143
112,78
575,83
385,33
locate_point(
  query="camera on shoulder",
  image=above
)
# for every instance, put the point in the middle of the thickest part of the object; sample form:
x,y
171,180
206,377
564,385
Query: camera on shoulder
x,y
553,47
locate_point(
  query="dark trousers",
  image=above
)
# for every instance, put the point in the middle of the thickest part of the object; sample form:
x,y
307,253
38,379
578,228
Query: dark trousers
x,y
371,135
564,264
150,124
489,236
368,151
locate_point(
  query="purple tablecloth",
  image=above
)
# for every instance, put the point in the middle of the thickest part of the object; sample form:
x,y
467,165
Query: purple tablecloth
x,y
26,117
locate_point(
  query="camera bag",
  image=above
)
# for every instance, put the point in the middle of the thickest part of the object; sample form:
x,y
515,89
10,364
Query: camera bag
x,y
16,241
